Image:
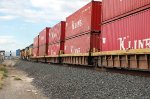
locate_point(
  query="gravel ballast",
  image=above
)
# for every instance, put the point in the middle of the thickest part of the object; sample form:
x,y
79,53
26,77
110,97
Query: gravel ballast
x,y
62,82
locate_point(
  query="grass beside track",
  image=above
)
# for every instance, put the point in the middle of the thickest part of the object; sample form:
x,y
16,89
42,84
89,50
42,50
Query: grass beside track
x,y
3,74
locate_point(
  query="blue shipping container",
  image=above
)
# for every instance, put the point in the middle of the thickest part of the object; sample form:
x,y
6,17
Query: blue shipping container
x,y
18,52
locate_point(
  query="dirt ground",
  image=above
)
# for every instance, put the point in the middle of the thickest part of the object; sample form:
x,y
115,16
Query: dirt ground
x,y
18,89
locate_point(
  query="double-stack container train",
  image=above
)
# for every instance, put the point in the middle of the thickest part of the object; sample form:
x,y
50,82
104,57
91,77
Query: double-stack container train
x,y
110,34
56,42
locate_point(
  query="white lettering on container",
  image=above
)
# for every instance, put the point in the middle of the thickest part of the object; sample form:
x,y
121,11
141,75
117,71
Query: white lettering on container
x,y
53,35
135,44
74,50
147,43
125,43
104,40
122,43
76,24
77,50
140,44
71,49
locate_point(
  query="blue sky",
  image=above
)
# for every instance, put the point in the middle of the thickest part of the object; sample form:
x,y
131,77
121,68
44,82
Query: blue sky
x,y
22,20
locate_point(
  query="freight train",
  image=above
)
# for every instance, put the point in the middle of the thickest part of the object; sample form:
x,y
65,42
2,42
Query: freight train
x,y
110,34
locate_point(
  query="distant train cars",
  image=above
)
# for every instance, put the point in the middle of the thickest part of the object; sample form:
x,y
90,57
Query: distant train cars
x,y
27,53
111,33
18,52
30,52
22,55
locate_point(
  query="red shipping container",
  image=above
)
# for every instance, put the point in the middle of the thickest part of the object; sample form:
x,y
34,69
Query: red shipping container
x,y
82,44
56,49
43,50
36,41
36,46
44,36
114,8
86,19
131,32
35,52
43,42
57,33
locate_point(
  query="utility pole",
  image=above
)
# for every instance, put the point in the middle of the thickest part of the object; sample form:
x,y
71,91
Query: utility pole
x,y
10,54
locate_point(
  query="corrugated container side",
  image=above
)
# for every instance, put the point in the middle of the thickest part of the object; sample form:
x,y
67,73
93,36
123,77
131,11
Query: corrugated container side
x,y
43,42
57,32
36,46
44,36
36,41
35,52
114,8
56,49
82,44
86,19
43,50
131,32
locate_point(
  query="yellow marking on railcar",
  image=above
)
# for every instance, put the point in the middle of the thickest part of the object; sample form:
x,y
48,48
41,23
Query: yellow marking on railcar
x,y
79,54
123,52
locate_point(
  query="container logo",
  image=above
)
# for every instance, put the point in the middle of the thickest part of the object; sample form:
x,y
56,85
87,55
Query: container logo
x,y
53,35
65,48
126,43
53,52
104,40
75,50
76,24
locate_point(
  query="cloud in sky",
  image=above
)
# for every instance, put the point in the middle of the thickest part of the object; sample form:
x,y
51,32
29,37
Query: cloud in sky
x,y
40,10
8,42
35,14
7,17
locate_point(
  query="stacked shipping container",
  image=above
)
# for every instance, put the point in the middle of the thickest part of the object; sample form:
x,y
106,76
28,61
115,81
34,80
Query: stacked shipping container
x,y
43,42
128,32
131,32
82,44
81,28
56,39
119,8
36,46
124,26
57,32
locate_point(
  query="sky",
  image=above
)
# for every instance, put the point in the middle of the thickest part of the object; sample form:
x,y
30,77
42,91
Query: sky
x,y
22,20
